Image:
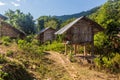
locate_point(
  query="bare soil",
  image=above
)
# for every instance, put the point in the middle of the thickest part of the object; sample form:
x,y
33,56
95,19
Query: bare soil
x,y
77,72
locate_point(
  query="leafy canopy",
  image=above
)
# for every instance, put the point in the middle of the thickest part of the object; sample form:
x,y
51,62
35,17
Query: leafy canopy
x,y
21,21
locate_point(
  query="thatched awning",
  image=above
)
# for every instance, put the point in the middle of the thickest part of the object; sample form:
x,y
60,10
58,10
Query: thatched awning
x,y
95,26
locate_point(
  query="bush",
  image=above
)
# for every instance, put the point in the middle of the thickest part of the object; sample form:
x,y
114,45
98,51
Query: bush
x,y
6,40
2,74
30,48
2,59
55,46
9,53
71,57
116,63
111,64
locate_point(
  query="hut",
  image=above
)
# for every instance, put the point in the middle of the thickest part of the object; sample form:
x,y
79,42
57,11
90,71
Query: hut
x,y
46,34
80,31
8,30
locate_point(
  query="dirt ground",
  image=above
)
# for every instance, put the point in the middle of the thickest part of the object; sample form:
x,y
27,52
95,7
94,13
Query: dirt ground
x,y
77,72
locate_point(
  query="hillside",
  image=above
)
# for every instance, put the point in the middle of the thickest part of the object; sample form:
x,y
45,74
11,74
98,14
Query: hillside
x,y
24,65
28,59
83,13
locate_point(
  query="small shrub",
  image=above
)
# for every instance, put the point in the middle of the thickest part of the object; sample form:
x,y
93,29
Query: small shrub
x,y
97,62
2,59
116,63
2,73
55,46
111,63
30,48
71,57
9,53
6,40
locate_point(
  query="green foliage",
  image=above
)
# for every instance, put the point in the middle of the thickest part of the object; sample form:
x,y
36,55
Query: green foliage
x,y
47,21
16,71
108,16
111,64
6,40
9,53
71,57
2,59
55,46
2,74
21,21
84,13
31,48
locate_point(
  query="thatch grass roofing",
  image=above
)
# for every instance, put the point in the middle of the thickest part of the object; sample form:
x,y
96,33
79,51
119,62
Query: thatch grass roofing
x,y
10,26
67,27
43,30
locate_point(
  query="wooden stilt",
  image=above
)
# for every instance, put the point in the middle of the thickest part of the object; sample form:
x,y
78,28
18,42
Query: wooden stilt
x,y
75,49
65,49
92,50
85,54
78,49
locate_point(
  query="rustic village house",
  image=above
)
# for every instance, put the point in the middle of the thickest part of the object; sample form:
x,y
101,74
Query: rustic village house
x,y
46,34
8,30
80,31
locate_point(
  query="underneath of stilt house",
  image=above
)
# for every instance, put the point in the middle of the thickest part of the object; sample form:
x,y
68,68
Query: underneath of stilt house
x,y
46,34
80,31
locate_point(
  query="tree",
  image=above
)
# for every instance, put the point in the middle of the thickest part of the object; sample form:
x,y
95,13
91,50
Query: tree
x,y
108,16
47,21
21,21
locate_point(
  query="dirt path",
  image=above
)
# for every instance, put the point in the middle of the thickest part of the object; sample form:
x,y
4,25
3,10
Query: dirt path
x,y
77,72
65,63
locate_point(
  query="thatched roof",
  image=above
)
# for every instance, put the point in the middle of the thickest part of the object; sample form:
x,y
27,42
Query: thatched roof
x,y
43,30
10,26
3,17
67,27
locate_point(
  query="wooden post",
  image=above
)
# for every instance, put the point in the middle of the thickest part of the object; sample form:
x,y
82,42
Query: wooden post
x,y
75,48
65,49
78,49
85,54
92,50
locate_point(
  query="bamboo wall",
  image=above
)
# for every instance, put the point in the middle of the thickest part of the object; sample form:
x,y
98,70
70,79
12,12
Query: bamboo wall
x,y
49,35
81,32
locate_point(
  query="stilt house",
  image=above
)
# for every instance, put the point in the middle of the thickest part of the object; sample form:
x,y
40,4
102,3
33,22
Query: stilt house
x,y
80,31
